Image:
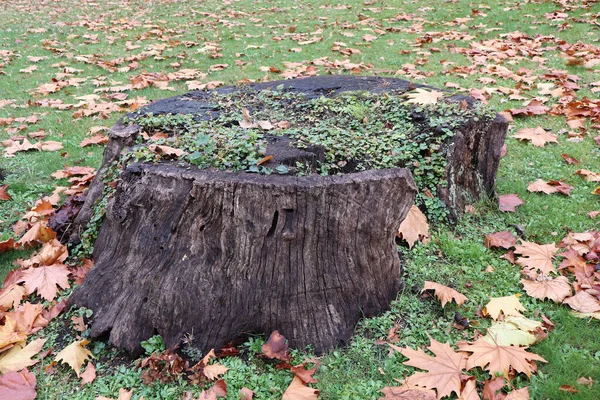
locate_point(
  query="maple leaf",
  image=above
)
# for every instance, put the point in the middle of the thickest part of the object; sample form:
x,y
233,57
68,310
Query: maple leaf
x,y
276,347
166,150
7,245
305,374
75,355
538,136
492,387
583,302
444,368
46,280
414,227
509,202
246,394
544,287
28,318
508,305
508,334
9,333
214,370
536,256
444,293
299,391
89,375
19,356
469,392
11,296
407,392
423,96
96,139
519,394
504,239
39,232
499,359
18,386
589,176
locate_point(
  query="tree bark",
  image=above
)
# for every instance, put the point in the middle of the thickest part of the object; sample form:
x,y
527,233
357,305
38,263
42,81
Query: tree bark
x,y
218,255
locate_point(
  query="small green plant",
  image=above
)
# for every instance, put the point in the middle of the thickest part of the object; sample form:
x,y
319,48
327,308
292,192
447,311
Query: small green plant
x,y
155,344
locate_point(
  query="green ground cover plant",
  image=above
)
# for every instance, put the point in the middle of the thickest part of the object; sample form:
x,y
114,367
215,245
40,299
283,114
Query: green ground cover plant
x,y
70,69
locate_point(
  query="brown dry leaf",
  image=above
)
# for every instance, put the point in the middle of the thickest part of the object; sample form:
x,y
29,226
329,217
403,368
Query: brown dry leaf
x,y
492,387
246,394
444,293
407,392
508,305
568,389
96,139
541,186
9,333
213,371
444,368
276,347
536,256
414,227
583,302
545,287
4,193
469,392
422,96
305,374
28,318
18,386
538,136
7,245
49,146
89,375
75,355
499,359
589,176
509,202
16,147
569,160
504,239
19,356
166,150
39,232
11,296
46,280
589,382
298,391
123,395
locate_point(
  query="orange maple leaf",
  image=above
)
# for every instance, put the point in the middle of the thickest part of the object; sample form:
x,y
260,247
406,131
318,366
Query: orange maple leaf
x,y
444,368
414,227
545,287
536,256
538,136
46,280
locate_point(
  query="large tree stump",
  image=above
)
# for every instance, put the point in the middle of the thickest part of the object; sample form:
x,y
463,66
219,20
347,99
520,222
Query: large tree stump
x,y
219,255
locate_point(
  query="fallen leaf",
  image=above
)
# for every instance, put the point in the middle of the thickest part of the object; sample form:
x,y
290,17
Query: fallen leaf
x,y
11,296
89,375
423,96
18,386
507,334
545,287
583,302
298,391
568,389
4,193
305,374
444,368
492,387
123,395
46,280
19,356
39,232
444,293
508,305
407,392
213,371
166,150
536,256
9,333
509,202
75,355
469,392
246,394
538,136
276,347
504,239
519,394
499,359
414,227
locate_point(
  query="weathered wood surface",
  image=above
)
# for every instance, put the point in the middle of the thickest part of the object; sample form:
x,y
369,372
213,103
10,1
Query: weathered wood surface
x,y
220,255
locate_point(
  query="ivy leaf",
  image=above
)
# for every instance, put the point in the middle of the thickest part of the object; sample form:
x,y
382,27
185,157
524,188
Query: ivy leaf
x,y
444,293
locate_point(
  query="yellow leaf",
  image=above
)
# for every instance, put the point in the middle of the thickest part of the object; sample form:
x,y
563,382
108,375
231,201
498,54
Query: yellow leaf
x,y
19,356
9,333
444,293
507,334
11,296
75,355
508,305
525,324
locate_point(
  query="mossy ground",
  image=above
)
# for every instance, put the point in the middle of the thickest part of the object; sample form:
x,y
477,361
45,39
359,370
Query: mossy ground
x,y
254,34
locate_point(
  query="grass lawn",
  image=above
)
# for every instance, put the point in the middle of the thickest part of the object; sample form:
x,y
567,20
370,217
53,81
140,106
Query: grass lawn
x,y
509,51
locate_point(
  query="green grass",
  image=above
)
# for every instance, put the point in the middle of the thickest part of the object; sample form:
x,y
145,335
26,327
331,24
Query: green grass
x,y
255,34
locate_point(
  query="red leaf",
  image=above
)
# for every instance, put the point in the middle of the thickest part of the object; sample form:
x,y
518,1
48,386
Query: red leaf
x,y
509,202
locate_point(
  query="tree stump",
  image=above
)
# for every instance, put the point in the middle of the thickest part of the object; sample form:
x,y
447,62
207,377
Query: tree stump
x,y
216,255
